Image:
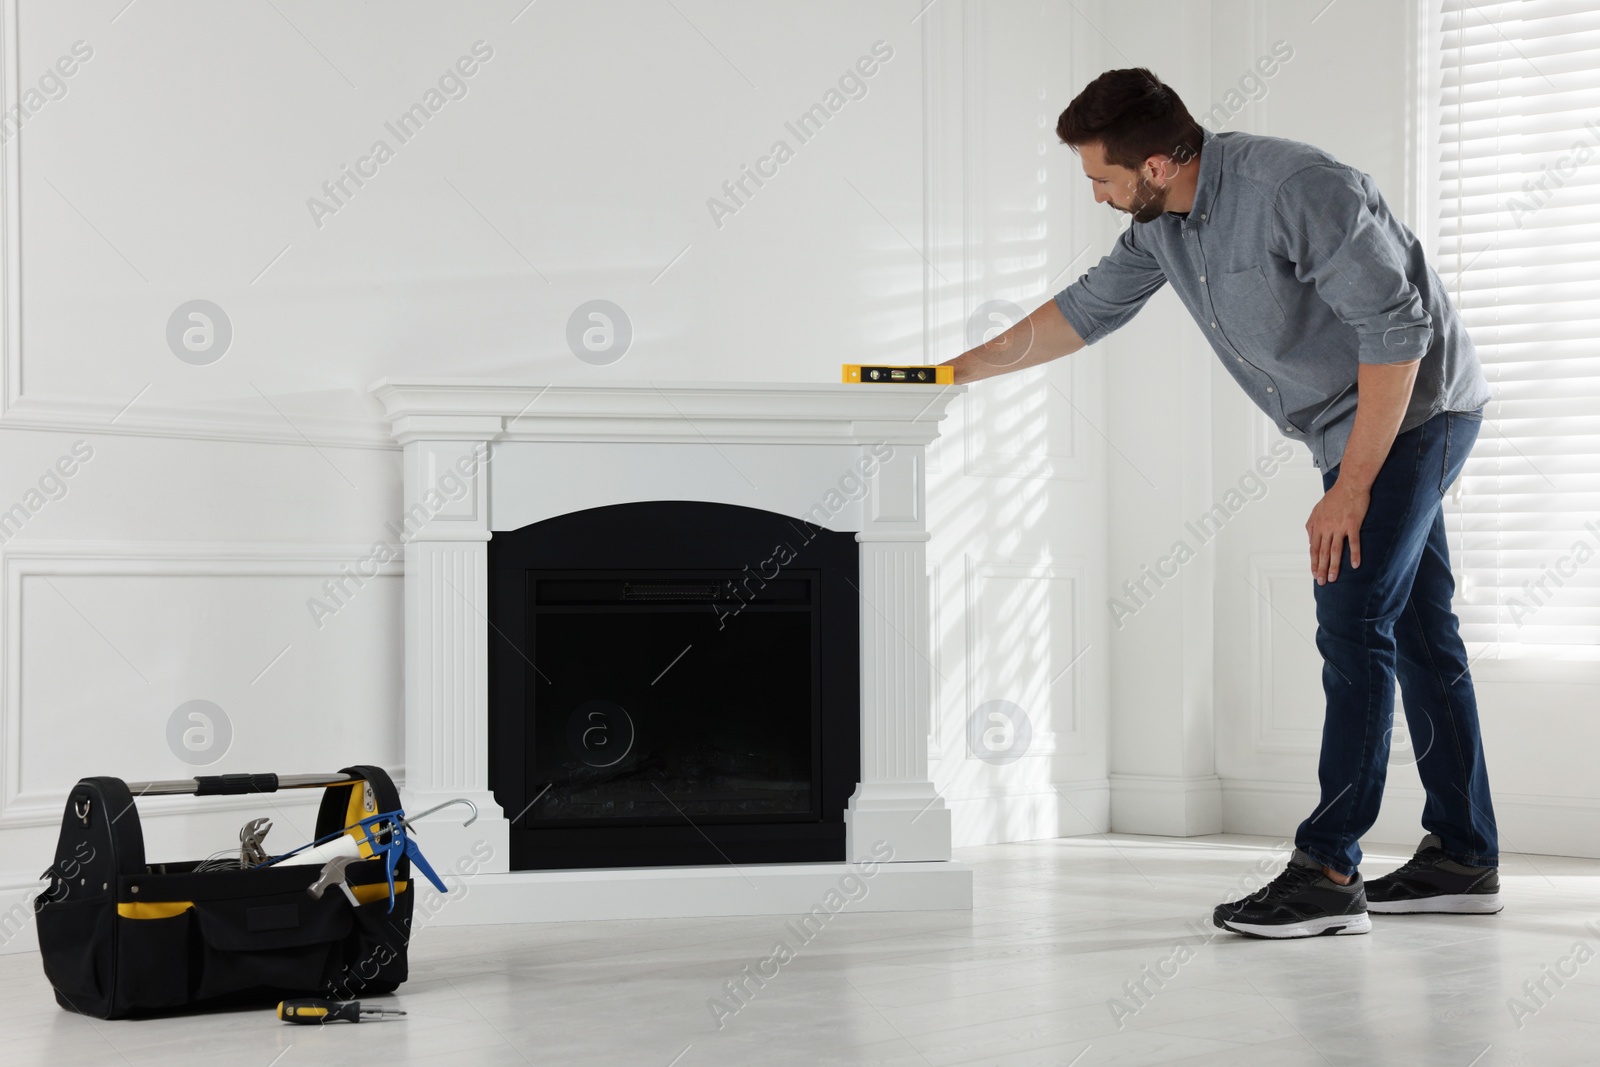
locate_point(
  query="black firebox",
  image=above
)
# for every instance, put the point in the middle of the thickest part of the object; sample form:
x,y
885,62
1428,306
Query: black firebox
x,y
673,683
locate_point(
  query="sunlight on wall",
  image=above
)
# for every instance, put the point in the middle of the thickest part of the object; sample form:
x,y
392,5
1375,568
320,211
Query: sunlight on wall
x,y
1016,489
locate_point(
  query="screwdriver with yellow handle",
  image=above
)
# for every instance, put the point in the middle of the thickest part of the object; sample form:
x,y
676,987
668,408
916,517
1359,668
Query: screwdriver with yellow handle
x,y
316,1010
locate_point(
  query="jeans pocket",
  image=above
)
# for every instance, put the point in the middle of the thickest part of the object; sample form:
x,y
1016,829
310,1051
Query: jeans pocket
x,y
1460,434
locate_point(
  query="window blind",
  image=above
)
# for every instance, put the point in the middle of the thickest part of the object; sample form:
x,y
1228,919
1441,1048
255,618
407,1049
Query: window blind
x,y
1516,185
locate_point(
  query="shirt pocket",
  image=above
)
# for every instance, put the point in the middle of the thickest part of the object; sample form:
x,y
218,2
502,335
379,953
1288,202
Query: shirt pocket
x,y
1245,304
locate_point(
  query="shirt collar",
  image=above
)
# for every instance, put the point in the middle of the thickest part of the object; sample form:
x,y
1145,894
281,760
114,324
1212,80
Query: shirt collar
x,y
1205,187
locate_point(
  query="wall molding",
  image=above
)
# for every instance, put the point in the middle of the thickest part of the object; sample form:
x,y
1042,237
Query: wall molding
x,y
1267,733
985,463
21,559
94,415
937,684
1420,118
976,462
932,140
1061,737
10,219
1265,434
84,415
1535,824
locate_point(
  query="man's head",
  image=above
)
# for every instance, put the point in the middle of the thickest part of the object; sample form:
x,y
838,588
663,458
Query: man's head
x,y
1138,143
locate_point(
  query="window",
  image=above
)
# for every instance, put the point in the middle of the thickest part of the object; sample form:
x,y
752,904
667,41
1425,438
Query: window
x,y
1515,184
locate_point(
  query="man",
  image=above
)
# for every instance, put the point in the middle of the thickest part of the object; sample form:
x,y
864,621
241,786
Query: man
x,y
1321,305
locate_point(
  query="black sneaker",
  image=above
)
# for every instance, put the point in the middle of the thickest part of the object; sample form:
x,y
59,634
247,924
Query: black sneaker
x,y
1300,902
1432,883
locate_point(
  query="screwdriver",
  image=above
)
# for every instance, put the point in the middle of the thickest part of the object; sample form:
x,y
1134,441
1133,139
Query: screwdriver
x,y
316,1010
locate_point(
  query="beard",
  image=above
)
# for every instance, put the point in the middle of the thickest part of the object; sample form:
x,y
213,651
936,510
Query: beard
x,y
1148,204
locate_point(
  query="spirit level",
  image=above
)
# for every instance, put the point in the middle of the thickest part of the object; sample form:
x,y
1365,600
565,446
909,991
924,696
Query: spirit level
x,y
935,375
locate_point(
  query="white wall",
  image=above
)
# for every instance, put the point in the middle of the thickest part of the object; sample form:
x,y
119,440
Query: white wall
x,y
1163,778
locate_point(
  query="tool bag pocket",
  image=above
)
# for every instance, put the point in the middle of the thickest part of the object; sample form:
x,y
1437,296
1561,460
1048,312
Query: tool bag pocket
x,y
199,937
282,941
76,946
375,954
153,960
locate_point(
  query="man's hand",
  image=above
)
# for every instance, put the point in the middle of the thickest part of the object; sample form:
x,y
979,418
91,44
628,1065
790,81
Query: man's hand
x,y
1335,520
1382,392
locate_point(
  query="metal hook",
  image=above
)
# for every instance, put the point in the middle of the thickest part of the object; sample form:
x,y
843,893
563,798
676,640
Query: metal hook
x,y
408,820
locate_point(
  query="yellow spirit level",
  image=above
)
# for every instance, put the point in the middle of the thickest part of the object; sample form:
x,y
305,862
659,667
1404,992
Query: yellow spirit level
x,y
936,375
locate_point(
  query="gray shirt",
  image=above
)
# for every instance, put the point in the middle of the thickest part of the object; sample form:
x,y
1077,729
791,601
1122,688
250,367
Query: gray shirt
x,y
1293,267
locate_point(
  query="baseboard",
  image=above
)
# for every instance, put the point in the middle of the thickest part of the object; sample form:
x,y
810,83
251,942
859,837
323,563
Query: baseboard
x,y
1166,805
16,918
1529,823
994,816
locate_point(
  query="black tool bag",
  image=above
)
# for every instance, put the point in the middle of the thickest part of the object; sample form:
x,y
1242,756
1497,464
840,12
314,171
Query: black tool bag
x,y
121,937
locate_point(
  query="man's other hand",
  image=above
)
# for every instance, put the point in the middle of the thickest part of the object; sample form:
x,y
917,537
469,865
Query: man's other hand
x,y
1335,520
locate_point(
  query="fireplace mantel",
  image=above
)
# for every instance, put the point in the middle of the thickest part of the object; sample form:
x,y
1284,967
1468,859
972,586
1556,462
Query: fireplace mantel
x,y
482,455
777,414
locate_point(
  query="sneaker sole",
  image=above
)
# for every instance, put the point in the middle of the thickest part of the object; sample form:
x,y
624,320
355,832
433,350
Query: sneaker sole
x,y
1444,904
1328,924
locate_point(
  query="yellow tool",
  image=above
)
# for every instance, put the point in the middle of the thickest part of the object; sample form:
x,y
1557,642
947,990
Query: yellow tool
x,y
316,1010
939,374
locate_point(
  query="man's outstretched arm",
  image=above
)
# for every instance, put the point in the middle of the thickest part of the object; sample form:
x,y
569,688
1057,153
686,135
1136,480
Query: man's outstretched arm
x,y
1039,338
1103,300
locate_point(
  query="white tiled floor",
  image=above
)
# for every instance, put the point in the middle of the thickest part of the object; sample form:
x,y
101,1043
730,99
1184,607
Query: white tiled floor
x,y
1026,978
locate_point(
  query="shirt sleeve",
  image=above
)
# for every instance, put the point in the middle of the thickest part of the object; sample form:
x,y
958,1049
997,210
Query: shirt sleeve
x,y
1324,224
1113,290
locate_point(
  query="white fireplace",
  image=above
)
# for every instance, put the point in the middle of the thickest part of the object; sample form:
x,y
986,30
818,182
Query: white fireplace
x,y
491,455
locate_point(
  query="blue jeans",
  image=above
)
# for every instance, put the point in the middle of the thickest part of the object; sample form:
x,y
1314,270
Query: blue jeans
x,y
1392,616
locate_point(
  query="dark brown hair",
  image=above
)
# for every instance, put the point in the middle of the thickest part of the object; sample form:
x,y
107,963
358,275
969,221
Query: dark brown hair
x,y
1132,115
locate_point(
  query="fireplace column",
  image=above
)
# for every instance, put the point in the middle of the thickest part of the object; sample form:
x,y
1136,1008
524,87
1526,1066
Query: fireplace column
x,y
446,529
895,801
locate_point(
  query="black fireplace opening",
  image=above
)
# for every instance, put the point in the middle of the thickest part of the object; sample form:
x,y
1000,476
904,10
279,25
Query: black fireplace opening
x,y
673,683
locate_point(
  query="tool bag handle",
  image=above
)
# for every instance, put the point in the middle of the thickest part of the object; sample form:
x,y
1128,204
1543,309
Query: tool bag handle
x,y
100,833
216,785
344,805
